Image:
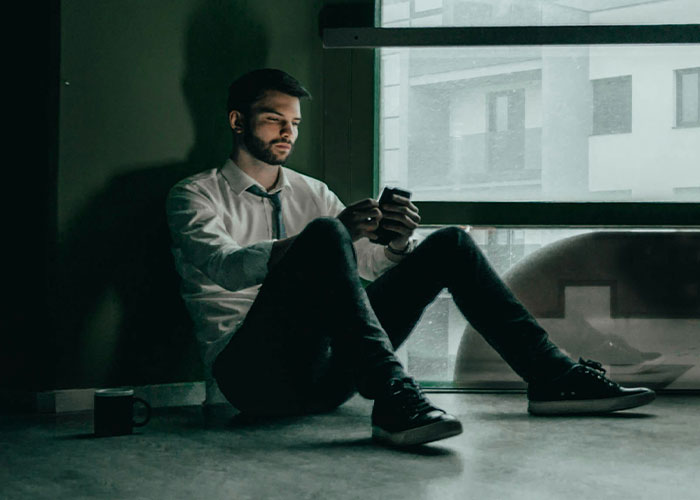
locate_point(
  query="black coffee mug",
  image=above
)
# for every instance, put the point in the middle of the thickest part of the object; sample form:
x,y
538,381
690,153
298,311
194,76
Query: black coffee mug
x,y
114,412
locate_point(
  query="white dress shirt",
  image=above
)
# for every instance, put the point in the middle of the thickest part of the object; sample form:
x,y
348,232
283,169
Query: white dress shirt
x,y
222,239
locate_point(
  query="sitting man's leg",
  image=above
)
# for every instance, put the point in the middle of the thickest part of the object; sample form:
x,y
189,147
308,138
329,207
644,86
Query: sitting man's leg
x,y
450,259
311,338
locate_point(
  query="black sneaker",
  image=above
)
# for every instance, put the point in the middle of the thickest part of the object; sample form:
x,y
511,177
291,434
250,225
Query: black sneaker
x,y
584,390
403,416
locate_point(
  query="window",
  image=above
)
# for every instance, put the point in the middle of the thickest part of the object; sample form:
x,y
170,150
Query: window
x,y
506,131
517,118
612,105
688,97
538,124
556,122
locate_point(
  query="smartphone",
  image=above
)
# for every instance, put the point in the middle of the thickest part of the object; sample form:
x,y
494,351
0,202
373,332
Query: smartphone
x,y
385,235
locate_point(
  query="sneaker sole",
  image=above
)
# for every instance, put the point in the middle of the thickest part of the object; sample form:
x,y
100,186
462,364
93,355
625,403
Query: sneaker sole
x,y
588,406
421,435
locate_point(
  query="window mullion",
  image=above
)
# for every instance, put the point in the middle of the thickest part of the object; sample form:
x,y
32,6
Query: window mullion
x,y
368,37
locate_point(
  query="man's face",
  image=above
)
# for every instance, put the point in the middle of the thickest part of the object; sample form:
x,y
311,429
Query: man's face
x,y
271,130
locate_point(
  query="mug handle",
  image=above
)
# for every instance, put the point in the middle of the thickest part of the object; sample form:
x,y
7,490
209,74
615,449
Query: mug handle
x,y
148,412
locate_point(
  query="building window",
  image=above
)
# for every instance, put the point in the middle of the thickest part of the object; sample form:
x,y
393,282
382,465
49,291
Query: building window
x,y
612,105
688,97
506,137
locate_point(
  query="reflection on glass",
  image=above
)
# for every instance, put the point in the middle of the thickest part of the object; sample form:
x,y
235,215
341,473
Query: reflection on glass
x,y
431,350
630,304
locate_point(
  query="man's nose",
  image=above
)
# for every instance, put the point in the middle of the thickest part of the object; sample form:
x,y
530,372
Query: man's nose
x,y
287,130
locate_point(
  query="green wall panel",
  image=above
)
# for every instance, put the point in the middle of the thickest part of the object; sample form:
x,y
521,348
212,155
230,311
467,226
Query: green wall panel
x,y
142,104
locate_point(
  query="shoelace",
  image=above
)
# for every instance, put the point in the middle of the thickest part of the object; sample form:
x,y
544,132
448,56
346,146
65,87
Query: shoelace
x,y
592,364
596,369
409,396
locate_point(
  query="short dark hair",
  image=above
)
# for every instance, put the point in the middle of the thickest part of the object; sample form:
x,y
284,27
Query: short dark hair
x,y
247,89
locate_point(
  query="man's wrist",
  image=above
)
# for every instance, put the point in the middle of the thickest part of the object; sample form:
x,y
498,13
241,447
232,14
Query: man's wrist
x,y
395,251
397,254
399,249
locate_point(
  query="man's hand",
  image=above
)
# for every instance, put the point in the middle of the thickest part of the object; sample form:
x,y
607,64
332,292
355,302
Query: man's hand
x,y
400,216
361,218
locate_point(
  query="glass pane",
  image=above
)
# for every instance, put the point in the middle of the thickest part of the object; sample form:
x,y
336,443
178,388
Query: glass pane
x,y
624,298
501,113
573,123
537,12
612,105
689,96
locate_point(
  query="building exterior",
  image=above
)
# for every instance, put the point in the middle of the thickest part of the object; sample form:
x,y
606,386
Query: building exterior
x,y
568,123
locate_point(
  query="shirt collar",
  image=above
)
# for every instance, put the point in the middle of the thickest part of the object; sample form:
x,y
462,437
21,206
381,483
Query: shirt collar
x,y
240,181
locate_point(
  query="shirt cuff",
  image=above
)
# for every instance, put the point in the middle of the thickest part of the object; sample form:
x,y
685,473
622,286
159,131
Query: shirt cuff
x,y
256,265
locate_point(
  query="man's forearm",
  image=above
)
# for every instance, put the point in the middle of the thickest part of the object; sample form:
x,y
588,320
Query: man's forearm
x,y
279,248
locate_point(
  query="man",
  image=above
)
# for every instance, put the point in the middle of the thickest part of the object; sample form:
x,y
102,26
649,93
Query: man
x,y
271,263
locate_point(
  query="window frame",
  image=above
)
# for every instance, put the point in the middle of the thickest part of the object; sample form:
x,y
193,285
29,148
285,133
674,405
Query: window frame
x,y
362,41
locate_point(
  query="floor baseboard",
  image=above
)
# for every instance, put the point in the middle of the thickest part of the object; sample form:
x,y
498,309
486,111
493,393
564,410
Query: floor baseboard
x,y
157,395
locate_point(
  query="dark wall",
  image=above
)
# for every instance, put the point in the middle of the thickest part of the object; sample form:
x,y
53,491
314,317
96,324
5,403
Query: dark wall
x,y
134,100
142,104
29,147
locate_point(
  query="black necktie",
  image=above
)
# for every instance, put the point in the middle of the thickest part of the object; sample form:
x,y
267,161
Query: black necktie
x,y
278,231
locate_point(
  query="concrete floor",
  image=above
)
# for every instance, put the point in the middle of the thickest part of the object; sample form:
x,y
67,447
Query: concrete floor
x,y
504,453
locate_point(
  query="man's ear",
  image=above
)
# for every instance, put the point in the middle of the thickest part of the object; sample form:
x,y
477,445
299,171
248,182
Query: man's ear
x,y
235,119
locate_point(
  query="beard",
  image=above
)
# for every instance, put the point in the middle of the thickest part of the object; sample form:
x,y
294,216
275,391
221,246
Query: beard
x,y
262,150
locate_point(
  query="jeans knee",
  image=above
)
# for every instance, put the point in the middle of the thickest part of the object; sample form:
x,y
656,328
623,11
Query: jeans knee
x,y
327,239
451,238
450,251
328,230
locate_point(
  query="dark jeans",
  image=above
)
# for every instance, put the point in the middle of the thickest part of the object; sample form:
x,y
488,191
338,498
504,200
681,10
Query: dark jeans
x,y
314,336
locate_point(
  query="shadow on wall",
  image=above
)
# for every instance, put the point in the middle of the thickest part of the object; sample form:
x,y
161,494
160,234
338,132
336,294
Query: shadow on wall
x,y
116,266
